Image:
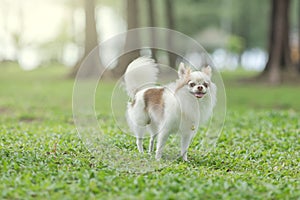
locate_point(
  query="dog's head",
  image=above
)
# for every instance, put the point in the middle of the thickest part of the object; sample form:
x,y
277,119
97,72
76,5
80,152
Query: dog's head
x,y
197,82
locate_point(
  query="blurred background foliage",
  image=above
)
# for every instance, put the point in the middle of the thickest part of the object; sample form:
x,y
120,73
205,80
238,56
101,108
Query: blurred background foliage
x,y
235,32
42,42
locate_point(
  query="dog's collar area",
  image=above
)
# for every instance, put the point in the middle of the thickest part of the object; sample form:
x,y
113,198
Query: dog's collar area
x,y
193,127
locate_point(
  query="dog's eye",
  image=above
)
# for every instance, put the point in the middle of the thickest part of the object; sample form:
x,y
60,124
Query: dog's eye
x,y
205,84
191,84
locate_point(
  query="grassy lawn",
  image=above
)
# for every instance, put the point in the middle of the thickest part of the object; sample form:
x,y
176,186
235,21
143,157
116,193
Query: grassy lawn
x,y
42,157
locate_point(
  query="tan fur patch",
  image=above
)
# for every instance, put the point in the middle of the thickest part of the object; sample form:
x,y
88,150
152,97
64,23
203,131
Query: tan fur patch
x,y
154,99
133,102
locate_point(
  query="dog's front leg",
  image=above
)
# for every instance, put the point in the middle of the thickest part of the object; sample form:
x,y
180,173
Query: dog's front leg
x,y
185,143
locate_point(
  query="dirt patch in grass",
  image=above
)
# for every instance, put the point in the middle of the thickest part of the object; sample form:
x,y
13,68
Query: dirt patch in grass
x,y
30,119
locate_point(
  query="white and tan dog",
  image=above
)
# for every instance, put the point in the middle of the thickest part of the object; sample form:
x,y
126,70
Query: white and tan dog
x,y
178,107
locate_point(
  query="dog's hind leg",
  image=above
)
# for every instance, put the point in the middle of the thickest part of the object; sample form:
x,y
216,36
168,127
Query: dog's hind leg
x,y
151,143
139,134
161,141
153,131
137,121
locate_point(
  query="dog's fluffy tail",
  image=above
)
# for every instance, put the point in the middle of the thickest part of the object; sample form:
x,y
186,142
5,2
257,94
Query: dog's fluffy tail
x,y
140,72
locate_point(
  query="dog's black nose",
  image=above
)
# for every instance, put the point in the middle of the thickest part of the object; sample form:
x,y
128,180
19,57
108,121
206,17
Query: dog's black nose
x,y
200,88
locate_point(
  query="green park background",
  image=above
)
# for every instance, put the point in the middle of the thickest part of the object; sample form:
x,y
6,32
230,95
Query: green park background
x,y
255,46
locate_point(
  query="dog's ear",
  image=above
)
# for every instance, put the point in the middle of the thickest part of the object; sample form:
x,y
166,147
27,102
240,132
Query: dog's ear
x,y
183,71
207,70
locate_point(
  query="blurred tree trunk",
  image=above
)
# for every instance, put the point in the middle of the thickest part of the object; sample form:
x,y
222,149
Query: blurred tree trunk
x,y
279,66
171,25
132,22
152,23
91,41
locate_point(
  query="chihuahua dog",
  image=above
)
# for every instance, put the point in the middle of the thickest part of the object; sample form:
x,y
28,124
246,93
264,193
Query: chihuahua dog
x,y
181,106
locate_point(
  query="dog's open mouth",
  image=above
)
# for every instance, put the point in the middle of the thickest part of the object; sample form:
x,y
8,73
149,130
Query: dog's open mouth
x,y
199,94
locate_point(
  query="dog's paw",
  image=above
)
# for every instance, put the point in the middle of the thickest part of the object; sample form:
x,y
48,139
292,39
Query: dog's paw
x,y
141,151
158,156
184,157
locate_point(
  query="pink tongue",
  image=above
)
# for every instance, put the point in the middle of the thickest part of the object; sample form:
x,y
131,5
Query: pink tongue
x,y
199,95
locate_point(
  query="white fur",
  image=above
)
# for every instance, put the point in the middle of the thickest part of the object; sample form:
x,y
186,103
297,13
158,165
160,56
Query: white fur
x,y
182,111
140,72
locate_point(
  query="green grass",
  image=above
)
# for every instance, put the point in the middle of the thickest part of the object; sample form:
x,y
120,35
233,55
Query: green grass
x,y
42,157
